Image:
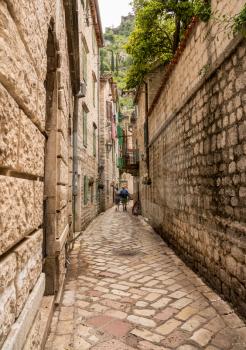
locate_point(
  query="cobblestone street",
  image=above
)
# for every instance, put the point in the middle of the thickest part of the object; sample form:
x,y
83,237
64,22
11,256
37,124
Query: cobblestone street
x,y
126,290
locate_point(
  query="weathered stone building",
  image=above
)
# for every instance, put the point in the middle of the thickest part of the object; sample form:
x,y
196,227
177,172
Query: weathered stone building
x,y
48,54
86,144
191,133
108,142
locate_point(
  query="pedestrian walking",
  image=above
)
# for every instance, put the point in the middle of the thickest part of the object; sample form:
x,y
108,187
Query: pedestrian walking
x,y
124,196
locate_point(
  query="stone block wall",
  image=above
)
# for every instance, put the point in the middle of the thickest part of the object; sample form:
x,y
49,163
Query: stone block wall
x,y
19,273
206,48
87,161
21,167
8,295
197,198
24,28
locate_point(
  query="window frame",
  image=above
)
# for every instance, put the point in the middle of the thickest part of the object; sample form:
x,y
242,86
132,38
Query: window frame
x,y
86,186
94,88
85,65
85,127
109,110
94,140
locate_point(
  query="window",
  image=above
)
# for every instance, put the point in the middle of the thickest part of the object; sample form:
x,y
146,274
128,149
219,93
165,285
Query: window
x,y
107,187
84,127
86,185
84,57
94,86
94,140
109,110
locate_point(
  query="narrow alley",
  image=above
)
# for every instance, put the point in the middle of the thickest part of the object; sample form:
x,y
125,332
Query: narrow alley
x,y
126,289
104,102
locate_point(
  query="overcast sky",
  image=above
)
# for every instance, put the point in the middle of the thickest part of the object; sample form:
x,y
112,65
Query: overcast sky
x,y
112,10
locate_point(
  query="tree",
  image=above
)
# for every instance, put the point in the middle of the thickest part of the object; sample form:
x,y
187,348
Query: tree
x,y
112,61
159,26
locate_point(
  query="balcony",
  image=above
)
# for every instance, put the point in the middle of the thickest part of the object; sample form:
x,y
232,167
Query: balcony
x,y
130,162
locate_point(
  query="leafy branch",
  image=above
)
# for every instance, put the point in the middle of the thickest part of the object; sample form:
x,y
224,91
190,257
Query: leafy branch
x,y
159,28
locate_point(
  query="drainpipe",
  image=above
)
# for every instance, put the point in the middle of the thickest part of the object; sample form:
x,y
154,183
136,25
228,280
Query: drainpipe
x,y
75,159
98,127
75,113
147,127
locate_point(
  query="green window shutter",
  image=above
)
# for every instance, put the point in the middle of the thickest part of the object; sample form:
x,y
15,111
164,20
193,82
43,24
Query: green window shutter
x,y
85,128
120,135
120,163
85,190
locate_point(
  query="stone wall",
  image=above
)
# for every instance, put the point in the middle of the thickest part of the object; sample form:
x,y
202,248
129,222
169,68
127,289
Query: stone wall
x,y
197,133
88,162
27,239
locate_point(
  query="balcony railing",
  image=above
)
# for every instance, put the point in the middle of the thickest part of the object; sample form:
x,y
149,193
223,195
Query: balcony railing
x,y
129,162
132,157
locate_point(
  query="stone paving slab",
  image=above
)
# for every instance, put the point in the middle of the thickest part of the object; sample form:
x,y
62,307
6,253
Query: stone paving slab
x,y
126,289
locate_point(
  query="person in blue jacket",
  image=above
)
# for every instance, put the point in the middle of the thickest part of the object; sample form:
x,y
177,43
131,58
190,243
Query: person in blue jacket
x,y
124,196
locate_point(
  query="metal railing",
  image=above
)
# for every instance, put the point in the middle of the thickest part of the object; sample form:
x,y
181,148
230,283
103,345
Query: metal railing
x,y
131,157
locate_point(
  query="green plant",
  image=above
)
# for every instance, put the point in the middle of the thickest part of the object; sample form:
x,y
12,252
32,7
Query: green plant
x,y
114,59
202,10
239,22
159,28
205,69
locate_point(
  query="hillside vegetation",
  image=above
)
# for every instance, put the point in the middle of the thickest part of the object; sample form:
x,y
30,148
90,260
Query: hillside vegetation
x,y
114,58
